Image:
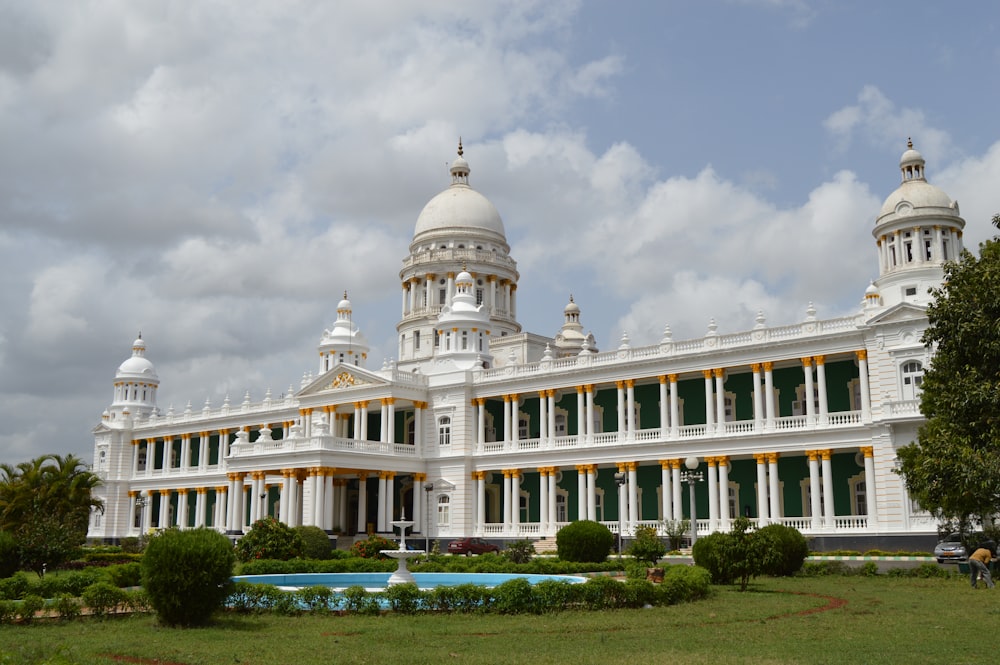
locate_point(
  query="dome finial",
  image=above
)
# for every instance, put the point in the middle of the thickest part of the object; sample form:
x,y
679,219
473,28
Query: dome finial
x,y
345,294
460,151
909,143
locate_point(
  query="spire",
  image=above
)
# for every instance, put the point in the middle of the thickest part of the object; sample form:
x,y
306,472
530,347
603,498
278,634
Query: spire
x,y
460,168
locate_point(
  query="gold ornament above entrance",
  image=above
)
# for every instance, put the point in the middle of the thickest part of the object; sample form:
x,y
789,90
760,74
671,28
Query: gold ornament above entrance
x,y
344,380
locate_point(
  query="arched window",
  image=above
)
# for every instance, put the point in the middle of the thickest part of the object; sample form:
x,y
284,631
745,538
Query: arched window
x,y
444,431
913,377
444,510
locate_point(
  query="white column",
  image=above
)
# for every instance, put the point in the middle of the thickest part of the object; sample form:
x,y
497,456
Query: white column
x,y
590,413
543,417
380,525
182,509
821,386
810,411
769,395
866,398
622,425
480,420
634,509
418,425
871,498
390,499
664,411
709,403
553,493
506,419
317,488
203,450
199,507
147,511
665,487
135,457
164,517
675,477
630,407
815,488
592,492
582,492
515,491
543,500
758,399
724,513
150,456
362,502
364,420
506,501
221,503
231,504
581,415
675,408
828,508
550,397
185,452
357,421
481,504
762,505
775,486
168,449
515,429
131,511
284,499
329,501
383,415
713,495
720,401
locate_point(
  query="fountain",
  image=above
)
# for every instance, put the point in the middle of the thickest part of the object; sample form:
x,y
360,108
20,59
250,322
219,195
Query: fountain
x,y
402,574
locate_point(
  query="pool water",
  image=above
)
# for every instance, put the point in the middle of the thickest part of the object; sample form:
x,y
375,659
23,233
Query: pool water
x,y
379,581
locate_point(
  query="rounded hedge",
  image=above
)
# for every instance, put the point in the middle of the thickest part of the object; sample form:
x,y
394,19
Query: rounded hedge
x,y
187,575
791,549
584,540
315,543
269,539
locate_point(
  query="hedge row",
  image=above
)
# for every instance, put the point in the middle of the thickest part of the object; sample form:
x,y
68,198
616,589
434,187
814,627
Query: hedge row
x,y
101,600
484,563
72,583
517,596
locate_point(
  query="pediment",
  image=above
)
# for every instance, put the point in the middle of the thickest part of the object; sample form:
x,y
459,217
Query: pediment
x,y
903,312
342,377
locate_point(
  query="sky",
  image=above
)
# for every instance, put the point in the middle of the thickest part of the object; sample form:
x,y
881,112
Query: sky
x,y
215,174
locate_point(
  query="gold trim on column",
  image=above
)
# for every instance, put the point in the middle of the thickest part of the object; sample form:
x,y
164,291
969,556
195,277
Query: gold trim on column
x,y
868,451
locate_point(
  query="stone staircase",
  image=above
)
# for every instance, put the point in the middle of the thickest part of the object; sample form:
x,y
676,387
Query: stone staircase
x,y
545,545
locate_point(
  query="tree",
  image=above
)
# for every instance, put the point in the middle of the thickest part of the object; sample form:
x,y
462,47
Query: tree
x,y
45,504
953,469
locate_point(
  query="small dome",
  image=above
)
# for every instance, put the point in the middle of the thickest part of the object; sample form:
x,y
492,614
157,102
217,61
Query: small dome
x,y
464,277
872,290
138,365
571,308
344,304
459,207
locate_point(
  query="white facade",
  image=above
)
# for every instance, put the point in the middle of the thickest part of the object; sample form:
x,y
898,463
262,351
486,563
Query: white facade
x,y
482,429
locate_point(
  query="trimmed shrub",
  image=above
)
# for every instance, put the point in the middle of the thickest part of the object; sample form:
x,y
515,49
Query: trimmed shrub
x,y
372,547
187,575
30,605
315,543
316,598
515,596
404,598
707,553
358,599
10,558
125,574
269,539
519,551
66,606
585,541
8,611
647,546
14,587
104,599
791,549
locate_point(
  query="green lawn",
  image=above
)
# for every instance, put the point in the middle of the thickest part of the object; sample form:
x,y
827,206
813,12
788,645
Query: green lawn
x,y
800,620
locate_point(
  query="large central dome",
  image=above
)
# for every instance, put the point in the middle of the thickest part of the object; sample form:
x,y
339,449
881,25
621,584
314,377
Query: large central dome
x,y
459,208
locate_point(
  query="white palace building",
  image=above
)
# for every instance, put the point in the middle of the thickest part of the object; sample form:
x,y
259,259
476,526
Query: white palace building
x,y
482,429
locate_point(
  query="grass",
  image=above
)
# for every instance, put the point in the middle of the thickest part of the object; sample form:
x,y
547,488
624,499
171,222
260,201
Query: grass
x,y
800,620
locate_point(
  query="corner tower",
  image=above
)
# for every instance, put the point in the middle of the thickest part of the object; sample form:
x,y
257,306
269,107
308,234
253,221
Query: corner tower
x,y
458,230
917,230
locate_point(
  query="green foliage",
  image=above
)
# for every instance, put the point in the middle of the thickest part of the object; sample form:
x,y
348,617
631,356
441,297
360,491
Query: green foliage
x,y
103,599
315,543
45,504
269,539
585,541
519,551
29,606
187,575
125,574
66,606
358,599
676,530
372,547
133,545
869,569
647,546
515,597
742,554
14,587
404,598
315,598
8,611
10,556
953,469
791,549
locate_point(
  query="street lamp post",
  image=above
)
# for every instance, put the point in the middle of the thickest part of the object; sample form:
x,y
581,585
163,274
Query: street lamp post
x,y
140,503
428,488
621,479
691,477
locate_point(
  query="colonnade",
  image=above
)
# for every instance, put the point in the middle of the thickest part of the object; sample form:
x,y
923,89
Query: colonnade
x,y
765,416
499,297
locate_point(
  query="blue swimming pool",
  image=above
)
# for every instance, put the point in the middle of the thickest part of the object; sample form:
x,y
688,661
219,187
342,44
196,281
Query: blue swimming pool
x,y
375,581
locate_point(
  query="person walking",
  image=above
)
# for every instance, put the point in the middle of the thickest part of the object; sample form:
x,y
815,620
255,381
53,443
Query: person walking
x,y
979,564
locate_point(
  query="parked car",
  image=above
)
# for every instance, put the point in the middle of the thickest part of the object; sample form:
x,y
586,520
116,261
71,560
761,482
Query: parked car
x,y
951,549
471,546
